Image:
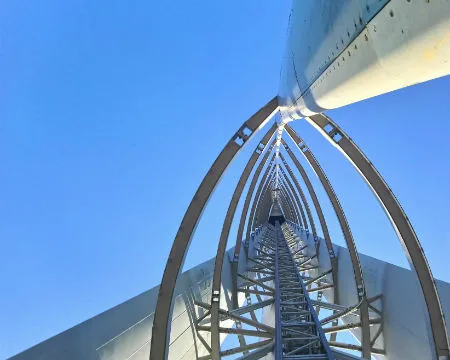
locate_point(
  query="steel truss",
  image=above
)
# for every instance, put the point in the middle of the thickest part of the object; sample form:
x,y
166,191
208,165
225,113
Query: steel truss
x,y
282,271
301,335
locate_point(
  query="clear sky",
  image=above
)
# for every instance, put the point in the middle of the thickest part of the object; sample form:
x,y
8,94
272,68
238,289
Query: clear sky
x,y
111,114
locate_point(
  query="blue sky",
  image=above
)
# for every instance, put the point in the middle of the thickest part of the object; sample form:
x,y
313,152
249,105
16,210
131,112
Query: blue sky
x,y
112,113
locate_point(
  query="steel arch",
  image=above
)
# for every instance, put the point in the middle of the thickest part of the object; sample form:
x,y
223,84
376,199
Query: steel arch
x,y
405,232
161,322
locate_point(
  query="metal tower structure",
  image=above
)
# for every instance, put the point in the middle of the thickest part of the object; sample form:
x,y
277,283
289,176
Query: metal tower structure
x,y
284,291
284,261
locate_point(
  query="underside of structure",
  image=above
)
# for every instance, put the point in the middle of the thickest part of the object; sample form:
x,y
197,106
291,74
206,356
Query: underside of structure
x,y
283,289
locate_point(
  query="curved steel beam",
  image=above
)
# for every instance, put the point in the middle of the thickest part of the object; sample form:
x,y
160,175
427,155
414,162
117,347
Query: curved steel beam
x,y
287,208
265,209
237,248
256,214
286,179
260,203
268,173
265,202
364,308
405,232
292,201
294,212
162,322
265,206
217,276
266,212
302,196
323,223
287,203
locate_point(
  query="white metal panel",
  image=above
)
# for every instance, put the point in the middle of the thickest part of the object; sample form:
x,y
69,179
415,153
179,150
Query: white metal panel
x,y
405,43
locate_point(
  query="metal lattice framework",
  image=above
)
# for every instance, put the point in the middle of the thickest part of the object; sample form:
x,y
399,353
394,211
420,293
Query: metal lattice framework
x,y
272,292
